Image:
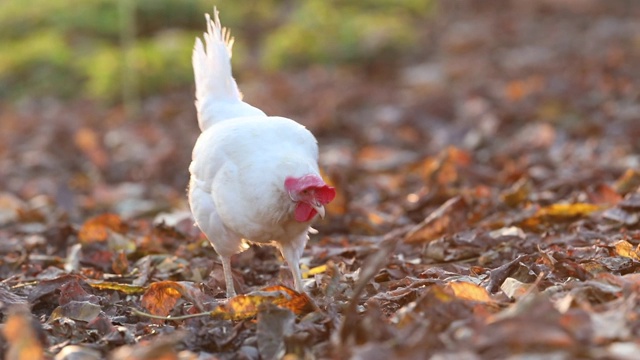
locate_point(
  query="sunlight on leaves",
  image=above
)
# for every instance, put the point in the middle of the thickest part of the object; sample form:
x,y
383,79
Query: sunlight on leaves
x,y
21,337
565,211
97,228
161,297
468,291
561,212
246,306
628,182
514,288
518,193
123,288
314,271
626,249
443,294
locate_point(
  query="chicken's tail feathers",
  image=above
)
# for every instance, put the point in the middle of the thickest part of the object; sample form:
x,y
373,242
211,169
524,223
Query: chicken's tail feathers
x,y
217,94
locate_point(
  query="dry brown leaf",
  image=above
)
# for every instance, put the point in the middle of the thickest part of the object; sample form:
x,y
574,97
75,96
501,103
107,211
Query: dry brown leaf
x,y
76,310
120,263
23,341
442,293
383,158
517,90
514,288
97,228
10,208
518,193
624,248
628,182
161,297
443,168
247,306
306,272
621,216
468,291
123,288
604,195
631,201
339,204
567,211
88,141
560,212
445,219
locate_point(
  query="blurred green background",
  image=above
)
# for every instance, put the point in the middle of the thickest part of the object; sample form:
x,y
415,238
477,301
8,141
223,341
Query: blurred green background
x,y
110,50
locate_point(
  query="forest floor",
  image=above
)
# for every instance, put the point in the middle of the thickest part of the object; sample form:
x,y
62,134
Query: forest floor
x,y
488,206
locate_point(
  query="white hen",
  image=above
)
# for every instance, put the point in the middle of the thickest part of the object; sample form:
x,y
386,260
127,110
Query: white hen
x,y
253,177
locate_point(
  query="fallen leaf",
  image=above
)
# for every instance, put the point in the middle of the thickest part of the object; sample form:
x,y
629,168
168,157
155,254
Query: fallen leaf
x,y
624,248
446,219
468,291
88,141
97,228
274,325
78,352
120,263
49,286
621,216
631,201
160,298
76,310
10,208
123,288
246,306
611,324
511,231
518,193
313,271
567,211
73,291
160,348
604,195
384,158
560,212
628,182
338,206
8,299
21,336
515,289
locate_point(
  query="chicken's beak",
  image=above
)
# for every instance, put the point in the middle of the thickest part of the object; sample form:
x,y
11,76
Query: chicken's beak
x,y
319,208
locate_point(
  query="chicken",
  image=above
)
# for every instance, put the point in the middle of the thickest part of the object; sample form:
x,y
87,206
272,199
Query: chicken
x,y
254,178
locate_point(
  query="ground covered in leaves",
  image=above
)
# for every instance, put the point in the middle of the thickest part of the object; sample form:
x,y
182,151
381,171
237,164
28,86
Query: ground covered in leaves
x,y
488,205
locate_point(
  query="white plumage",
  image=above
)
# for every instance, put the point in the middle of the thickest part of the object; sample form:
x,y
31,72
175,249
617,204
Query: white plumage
x,y
253,177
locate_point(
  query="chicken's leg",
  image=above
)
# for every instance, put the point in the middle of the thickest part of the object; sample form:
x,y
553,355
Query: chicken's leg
x,y
228,278
292,255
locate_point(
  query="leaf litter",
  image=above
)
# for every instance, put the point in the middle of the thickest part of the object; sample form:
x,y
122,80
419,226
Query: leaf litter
x,y
493,215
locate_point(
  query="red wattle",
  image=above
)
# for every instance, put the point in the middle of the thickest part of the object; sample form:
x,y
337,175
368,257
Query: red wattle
x,y
304,212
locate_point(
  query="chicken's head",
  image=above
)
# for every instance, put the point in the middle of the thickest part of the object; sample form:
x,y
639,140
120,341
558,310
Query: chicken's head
x,y
310,193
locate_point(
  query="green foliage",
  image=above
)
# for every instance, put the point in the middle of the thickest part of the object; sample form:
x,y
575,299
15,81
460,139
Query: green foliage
x,y
345,31
69,48
89,18
37,64
161,63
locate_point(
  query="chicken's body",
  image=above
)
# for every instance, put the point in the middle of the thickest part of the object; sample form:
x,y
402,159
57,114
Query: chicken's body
x,y
253,177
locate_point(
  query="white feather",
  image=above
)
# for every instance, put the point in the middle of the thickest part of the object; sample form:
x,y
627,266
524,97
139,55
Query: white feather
x,y
217,94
